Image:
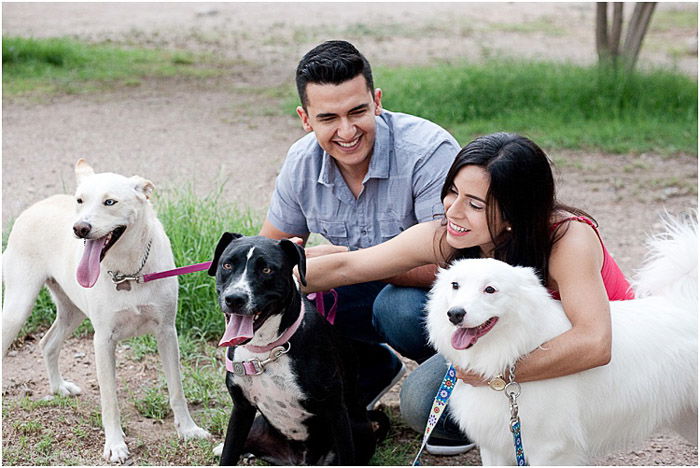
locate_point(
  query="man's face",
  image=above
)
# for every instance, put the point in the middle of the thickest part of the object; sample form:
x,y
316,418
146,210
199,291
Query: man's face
x,y
342,117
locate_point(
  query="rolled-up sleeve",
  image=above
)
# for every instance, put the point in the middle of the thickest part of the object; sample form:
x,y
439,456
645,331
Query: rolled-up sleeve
x,y
285,212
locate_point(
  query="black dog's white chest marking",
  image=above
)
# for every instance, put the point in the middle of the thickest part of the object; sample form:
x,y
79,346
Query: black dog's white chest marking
x,y
276,394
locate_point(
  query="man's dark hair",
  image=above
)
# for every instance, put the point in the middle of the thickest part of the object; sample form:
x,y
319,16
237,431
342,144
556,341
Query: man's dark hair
x,y
333,62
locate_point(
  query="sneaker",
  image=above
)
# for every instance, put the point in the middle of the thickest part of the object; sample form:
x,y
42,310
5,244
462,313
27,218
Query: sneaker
x,y
394,380
447,447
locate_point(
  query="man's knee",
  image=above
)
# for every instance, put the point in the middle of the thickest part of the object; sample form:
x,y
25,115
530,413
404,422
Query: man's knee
x,y
396,305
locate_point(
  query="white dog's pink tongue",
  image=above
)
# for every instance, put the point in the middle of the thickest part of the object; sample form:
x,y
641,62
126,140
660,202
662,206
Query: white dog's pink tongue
x,y
463,338
238,329
89,266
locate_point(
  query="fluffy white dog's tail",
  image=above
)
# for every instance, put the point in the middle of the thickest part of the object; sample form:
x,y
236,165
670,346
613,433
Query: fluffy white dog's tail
x,y
670,268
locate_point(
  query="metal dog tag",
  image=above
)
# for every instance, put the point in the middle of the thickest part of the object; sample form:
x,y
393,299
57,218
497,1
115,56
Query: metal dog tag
x,y
497,383
123,286
238,369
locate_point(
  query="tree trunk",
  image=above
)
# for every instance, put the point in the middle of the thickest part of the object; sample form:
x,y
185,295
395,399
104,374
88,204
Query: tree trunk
x,y
637,29
602,44
608,41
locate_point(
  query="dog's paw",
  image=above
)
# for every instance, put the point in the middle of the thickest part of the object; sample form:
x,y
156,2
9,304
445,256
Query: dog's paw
x,y
66,388
194,432
116,452
218,449
248,459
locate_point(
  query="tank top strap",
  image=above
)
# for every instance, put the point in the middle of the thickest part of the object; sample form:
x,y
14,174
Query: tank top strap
x,y
581,219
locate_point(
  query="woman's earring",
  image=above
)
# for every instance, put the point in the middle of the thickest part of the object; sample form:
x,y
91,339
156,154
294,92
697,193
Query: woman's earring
x,y
508,228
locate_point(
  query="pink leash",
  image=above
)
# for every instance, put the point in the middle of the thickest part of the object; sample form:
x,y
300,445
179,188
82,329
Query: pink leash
x,y
317,297
177,271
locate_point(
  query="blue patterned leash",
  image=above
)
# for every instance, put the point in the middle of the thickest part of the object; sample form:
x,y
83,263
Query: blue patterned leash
x,y
439,404
512,391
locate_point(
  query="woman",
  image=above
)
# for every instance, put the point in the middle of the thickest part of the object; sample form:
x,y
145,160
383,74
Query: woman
x,y
499,202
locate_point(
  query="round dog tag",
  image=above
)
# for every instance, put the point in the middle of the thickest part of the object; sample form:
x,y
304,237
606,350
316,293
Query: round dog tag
x,y
497,383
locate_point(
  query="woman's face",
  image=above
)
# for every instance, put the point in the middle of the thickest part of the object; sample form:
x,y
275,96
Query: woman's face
x,y
465,209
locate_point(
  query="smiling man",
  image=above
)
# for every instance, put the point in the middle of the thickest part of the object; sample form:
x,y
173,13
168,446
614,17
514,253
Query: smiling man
x,y
361,176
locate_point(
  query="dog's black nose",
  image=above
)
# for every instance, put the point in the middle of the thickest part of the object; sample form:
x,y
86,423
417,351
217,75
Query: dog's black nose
x,y
236,300
456,315
82,229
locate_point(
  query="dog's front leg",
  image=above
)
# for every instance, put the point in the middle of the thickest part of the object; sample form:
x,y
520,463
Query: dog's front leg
x,y
170,357
242,416
343,442
115,449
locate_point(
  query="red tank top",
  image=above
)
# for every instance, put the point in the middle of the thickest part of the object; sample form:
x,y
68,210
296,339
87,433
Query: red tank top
x,y
616,285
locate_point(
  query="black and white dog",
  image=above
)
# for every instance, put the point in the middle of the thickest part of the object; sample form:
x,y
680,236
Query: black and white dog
x,y
286,361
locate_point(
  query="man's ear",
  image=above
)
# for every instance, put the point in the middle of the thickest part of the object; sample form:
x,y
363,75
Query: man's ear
x,y
378,101
304,119
82,170
296,254
225,240
143,186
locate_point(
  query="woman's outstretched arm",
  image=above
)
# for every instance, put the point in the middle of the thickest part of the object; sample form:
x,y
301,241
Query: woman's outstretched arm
x,y
412,248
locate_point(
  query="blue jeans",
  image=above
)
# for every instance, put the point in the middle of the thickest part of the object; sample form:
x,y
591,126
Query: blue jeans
x,y
417,395
399,318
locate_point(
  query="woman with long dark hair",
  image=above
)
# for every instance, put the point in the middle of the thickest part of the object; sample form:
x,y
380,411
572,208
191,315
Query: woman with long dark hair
x,y
499,202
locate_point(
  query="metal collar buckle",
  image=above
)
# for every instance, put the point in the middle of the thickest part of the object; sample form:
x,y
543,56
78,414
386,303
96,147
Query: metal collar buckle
x,y
118,278
256,366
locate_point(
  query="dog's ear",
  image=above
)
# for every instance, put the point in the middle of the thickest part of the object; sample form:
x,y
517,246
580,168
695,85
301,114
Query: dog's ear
x,y
296,253
82,170
225,240
143,186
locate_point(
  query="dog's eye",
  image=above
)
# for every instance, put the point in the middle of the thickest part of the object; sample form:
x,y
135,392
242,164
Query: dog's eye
x,y
80,201
266,270
455,285
489,290
110,202
226,266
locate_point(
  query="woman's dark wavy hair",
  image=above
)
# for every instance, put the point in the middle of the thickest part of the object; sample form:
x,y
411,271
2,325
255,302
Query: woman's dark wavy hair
x,y
332,62
522,186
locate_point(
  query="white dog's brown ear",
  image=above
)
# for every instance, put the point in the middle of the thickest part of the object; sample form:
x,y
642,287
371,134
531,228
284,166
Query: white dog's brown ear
x,y
143,186
82,170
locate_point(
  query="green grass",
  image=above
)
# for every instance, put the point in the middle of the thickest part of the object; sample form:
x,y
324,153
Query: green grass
x,y
70,66
557,105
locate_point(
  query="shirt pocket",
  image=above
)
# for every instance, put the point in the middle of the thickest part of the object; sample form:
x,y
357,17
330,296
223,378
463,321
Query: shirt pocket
x,y
335,231
389,228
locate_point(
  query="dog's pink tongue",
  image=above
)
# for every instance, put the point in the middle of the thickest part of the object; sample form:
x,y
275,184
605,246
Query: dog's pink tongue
x,y
238,329
89,266
463,338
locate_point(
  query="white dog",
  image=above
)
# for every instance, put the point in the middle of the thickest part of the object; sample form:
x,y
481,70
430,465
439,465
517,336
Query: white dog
x,y
649,384
69,244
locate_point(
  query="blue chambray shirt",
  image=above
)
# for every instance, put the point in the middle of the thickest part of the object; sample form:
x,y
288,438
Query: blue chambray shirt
x,y
408,166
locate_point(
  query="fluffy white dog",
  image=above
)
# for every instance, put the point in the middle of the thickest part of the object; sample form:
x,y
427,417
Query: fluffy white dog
x,y
69,243
649,384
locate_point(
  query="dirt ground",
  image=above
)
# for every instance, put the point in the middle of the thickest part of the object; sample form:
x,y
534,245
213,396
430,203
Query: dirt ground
x,y
207,132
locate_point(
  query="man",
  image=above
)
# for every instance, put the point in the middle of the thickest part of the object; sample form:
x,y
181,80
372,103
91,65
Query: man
x,y
361,176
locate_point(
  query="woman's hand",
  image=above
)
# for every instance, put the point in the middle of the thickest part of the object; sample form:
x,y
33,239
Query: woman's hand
x,y
472,378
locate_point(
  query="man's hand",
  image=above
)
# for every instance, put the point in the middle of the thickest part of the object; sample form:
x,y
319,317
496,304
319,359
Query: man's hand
x,y
319,250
